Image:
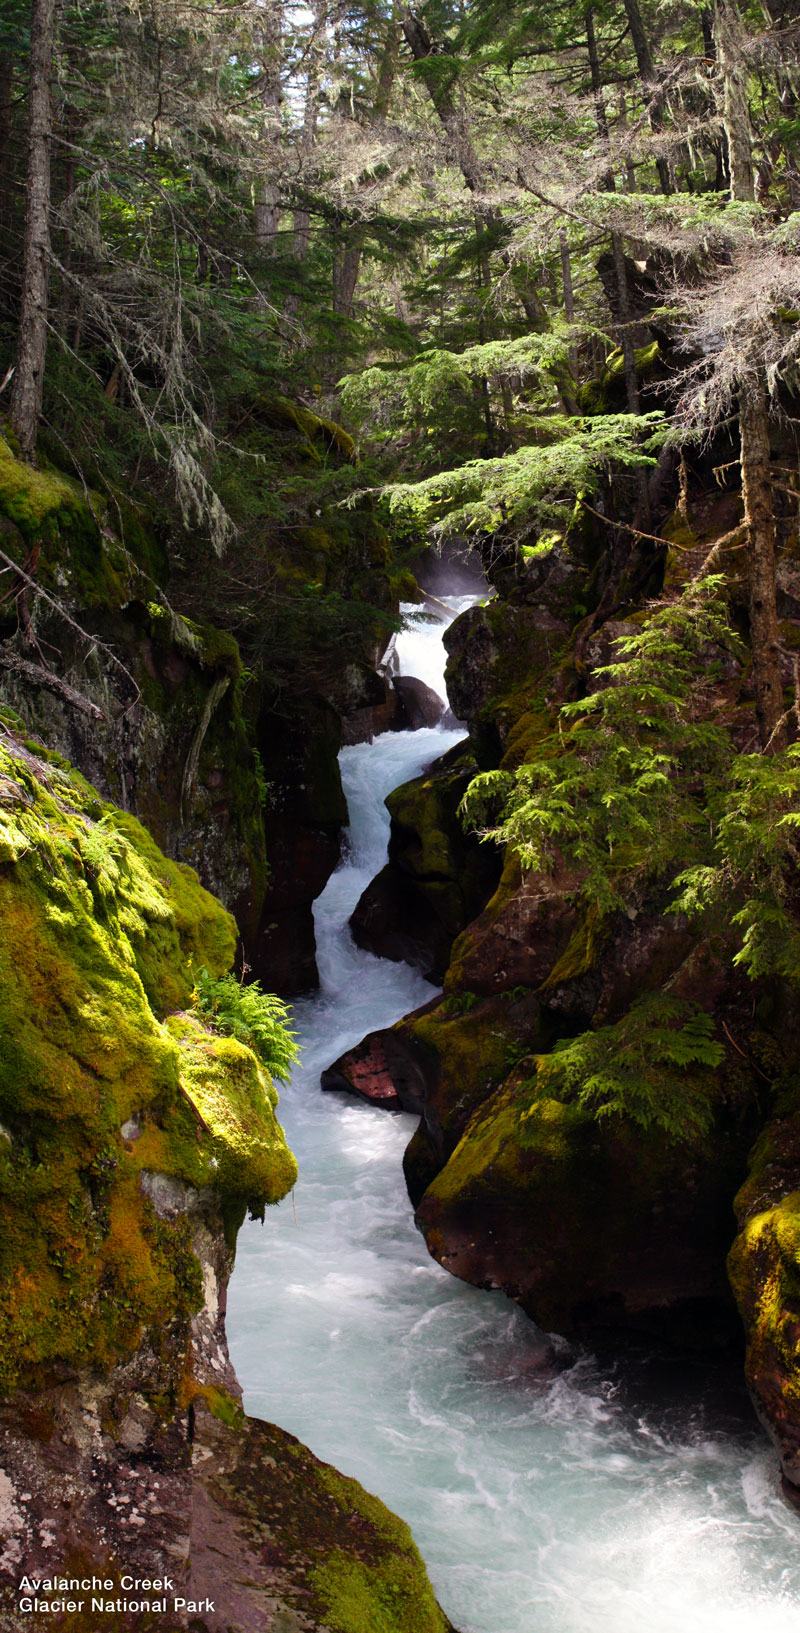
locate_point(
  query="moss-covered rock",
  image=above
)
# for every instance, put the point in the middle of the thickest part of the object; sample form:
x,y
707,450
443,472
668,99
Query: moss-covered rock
x,y
764,1267
437,876
101,935
590,1226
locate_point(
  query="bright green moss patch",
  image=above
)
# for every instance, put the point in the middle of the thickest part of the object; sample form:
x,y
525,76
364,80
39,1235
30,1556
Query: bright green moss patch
x,y
389,1594
359,1597
101,937
229,1098
764,1270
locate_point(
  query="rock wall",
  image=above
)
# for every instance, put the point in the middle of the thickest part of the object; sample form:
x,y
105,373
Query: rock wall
x,y
224,745
132,1141
595,1226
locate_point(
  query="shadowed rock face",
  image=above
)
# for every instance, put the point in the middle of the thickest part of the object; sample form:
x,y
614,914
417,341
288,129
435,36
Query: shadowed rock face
x,y
132,1141
437,876
764,1266
419,704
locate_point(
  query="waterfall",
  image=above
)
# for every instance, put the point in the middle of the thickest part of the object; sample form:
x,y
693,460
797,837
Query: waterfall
x,y
605,1497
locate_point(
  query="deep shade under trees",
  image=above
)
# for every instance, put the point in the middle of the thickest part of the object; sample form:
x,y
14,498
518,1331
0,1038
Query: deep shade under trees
x,y
498,240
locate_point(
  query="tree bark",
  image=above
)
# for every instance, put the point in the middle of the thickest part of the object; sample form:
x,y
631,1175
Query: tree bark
x,y
729,37
760,523
617,246
6,93
644,61
26,396
753,403
266,212
346,267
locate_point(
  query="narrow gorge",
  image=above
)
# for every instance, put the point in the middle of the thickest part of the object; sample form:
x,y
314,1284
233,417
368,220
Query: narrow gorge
x,y
399,816
547,1485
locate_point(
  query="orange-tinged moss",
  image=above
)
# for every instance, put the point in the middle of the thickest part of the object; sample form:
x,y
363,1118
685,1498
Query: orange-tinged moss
x,y
101,938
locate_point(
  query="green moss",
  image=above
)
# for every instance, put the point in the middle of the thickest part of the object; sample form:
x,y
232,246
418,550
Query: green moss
x,y
222,1406
387,1592
473,1050
224,1132
582,950
356,1596
53,515
601,395
101,933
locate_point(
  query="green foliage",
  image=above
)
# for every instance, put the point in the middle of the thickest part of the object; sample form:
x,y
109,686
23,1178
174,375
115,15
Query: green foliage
x,y
256,1018
754,868
101,933
655,1066
623,790
537,482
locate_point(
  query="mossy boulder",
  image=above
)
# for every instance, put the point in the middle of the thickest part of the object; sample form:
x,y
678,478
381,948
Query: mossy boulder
x,y
336,1556
151,709
437,876
101,936
764,1267
498,656
590,1226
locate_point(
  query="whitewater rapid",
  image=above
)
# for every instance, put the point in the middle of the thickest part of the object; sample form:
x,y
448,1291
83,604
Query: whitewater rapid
x,y
605,1499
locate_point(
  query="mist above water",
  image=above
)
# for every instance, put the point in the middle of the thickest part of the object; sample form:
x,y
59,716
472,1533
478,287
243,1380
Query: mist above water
x,y
592,1499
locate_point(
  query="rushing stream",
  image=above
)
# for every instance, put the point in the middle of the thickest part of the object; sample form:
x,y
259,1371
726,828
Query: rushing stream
x,y
604,1498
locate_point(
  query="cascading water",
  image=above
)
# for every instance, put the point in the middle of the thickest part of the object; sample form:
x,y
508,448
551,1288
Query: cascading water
x,y
541,1504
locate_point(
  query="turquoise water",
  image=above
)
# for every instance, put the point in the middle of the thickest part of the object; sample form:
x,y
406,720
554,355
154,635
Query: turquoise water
x,y
593,1496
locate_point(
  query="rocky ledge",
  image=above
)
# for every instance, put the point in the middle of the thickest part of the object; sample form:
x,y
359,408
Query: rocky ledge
x,y
133,1140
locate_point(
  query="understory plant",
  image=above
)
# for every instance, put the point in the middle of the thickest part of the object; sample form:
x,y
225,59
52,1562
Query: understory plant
x,y
622,790
655,1066
256,1018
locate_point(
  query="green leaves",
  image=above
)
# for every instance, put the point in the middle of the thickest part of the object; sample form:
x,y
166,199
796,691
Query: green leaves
x,y
755,861
655,1066
623,792
256,1018
539,481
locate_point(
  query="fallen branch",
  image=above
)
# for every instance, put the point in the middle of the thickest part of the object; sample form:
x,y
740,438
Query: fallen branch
x,y
84,633
38,676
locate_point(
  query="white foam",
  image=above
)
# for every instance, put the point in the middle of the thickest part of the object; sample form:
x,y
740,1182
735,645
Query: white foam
x,y
541,1505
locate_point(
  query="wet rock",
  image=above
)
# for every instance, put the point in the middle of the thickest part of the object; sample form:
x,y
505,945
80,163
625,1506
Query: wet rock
x,y
437,876
493,651
304,813
419,704
520,936
385,1068
764,1267
591,1227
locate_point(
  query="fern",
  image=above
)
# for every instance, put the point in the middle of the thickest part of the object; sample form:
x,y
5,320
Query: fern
x,y
256,1018
626,790
755,864
654,1067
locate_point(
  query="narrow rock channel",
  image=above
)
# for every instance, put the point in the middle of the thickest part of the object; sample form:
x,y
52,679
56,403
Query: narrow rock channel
x,y
544,1500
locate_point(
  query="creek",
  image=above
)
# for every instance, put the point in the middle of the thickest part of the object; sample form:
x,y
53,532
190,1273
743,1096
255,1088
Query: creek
x,y
612,1495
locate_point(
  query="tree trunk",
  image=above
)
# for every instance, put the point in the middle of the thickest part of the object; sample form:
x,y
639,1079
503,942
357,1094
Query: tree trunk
x,y
266,211
6,93
346,267
617,246
760,523
729,37
753,403
26,397
644,60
